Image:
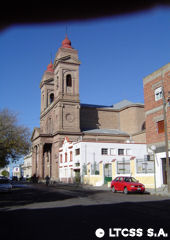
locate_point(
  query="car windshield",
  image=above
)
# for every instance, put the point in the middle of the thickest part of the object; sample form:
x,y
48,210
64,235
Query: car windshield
x,y
130,179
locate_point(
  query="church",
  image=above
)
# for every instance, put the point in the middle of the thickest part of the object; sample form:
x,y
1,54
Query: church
x,y
62,115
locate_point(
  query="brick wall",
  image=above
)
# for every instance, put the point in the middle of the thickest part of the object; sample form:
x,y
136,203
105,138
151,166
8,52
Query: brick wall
x,y
132,119
154,109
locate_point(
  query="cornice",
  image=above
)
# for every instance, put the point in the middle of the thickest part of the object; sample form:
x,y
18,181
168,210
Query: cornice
x,y
58,100
156,74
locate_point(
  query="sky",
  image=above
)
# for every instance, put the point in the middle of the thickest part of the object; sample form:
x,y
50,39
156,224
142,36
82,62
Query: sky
x,y
116,53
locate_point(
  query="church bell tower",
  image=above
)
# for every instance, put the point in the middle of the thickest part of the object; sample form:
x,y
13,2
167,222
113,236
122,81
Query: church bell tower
x,y
66,87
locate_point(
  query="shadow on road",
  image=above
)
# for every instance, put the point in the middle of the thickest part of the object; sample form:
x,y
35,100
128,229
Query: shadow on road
x,y
39,193
81,222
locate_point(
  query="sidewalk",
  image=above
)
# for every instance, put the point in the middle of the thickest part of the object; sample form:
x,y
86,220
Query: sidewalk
x,y
162,191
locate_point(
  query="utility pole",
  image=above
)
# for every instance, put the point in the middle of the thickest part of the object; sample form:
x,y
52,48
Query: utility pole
x,y
166,137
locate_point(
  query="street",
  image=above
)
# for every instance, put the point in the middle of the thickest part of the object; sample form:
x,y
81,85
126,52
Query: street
x,y
75,212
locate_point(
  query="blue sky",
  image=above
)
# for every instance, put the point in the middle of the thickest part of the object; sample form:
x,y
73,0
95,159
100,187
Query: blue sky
x,y
116,53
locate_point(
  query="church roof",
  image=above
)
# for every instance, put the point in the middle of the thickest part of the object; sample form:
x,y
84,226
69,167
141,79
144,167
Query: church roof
x,y
124,103
106,131
94,105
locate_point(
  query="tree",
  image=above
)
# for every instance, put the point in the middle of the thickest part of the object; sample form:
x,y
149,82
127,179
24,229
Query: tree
x,y
5,173
14,139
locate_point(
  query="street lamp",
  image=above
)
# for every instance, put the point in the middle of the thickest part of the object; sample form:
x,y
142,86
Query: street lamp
x,y
153,148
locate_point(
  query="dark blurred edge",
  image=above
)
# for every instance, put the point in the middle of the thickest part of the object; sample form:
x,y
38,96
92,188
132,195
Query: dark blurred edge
x,y
26,12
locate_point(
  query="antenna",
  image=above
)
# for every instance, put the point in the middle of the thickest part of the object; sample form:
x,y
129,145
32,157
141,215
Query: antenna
x,y
51,56
67,28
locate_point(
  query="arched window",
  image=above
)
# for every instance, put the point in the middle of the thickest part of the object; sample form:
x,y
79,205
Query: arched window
x,y
68,81
51,97
143,126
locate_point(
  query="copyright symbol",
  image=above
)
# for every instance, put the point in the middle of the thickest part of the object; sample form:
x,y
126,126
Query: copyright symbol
x,y
99,233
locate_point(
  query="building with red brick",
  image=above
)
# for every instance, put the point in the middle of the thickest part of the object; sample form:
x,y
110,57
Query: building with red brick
x,y
157,115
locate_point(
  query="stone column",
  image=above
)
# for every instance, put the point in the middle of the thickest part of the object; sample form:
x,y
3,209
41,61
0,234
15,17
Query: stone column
x,y
33,161
40,161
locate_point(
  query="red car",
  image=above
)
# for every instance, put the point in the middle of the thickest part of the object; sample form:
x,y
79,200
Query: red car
x,y
127,184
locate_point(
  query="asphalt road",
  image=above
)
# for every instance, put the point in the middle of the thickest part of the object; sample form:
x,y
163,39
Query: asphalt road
x,y
64,212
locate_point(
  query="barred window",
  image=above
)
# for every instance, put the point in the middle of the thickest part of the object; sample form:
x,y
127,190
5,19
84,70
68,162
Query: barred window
x,y
123,167
95,168
144,166
84,169
120,151
104,151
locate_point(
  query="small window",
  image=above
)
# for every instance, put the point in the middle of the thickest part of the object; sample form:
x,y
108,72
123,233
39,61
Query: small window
x,y
68,80
160,126
51,97
158,93
104,151
128,152
77,151
112,151
71,156
65,157
120,151
143,126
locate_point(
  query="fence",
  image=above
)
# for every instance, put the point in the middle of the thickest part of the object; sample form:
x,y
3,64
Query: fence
x,y
143,166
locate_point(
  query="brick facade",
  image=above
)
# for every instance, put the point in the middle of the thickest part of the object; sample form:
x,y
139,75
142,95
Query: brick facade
x,y
153,99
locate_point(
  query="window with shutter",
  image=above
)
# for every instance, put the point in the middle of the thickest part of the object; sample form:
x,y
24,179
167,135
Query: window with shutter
x,y
160,126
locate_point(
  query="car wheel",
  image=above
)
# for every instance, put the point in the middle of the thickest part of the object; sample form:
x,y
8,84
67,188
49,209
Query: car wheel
x,y
125,190
113,190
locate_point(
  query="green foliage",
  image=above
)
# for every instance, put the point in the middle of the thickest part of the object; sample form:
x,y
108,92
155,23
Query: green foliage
x,y
5,173
14,139
97,172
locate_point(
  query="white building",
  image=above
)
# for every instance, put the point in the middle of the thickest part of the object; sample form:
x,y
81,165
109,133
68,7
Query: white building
x,y
160,166
76,157
27,166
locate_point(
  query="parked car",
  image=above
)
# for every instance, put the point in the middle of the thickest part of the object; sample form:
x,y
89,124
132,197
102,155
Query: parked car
x,y
5,185
127,184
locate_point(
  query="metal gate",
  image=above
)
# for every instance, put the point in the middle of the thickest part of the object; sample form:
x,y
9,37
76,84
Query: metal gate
x,y
107,172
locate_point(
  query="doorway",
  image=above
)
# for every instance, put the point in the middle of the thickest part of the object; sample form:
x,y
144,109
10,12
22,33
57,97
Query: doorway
x,y
107,172
164,180
47,160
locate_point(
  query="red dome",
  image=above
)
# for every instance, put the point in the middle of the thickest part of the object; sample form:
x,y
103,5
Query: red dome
x,y
50,67
66,43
